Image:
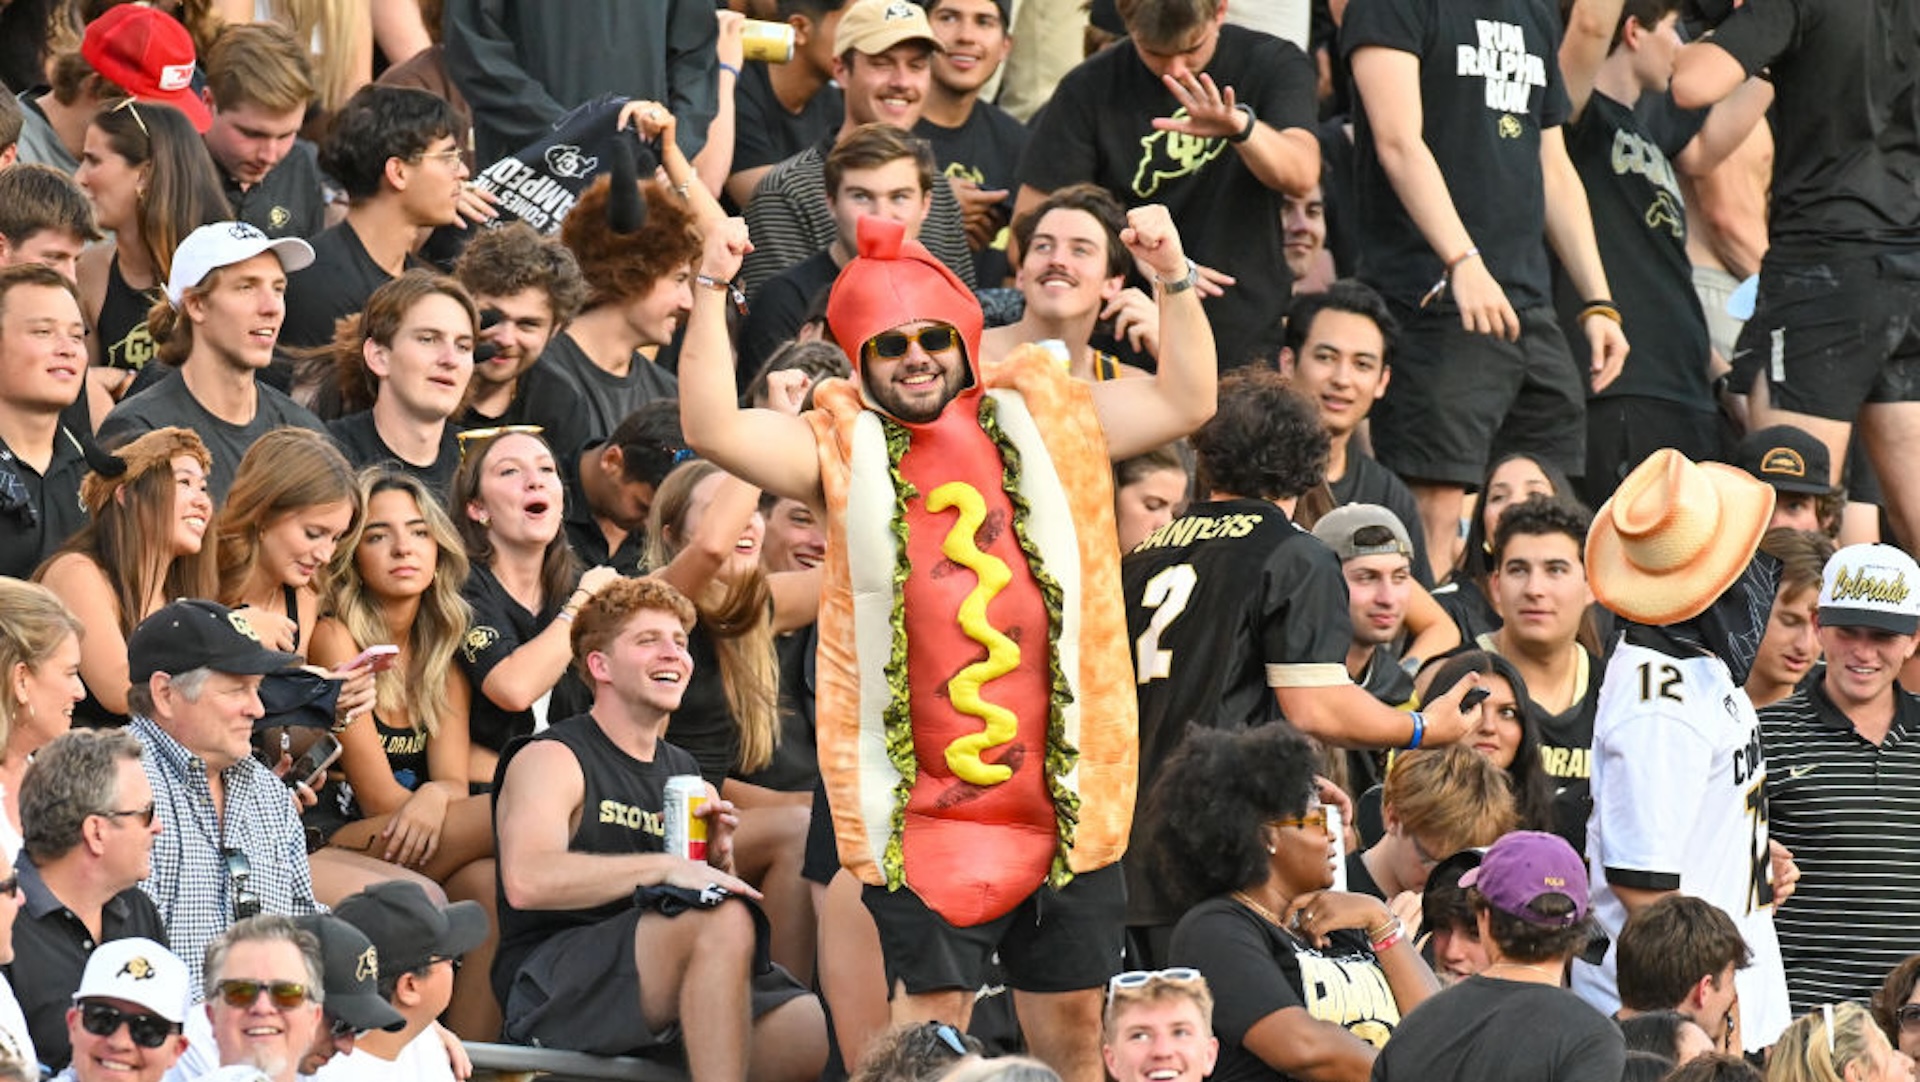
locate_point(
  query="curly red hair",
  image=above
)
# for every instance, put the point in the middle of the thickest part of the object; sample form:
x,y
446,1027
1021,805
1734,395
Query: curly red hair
x,y
621,266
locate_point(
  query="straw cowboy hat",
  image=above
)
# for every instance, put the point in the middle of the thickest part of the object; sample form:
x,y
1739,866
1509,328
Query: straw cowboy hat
x,y
1674,536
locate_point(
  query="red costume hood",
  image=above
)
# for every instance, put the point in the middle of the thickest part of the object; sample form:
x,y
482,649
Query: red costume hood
x,y
894,281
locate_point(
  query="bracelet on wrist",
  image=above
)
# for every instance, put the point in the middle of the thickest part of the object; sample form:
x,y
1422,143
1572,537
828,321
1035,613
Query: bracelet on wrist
x,y
1419,729
1253,121
1446,275
1390,941
1606,309
1472,252
730,69
723,287
1385,926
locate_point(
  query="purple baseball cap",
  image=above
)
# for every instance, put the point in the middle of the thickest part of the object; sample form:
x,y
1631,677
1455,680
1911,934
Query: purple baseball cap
x,y
1526,866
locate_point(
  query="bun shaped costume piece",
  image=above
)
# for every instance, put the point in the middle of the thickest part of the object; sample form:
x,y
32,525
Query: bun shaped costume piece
x,y
977,718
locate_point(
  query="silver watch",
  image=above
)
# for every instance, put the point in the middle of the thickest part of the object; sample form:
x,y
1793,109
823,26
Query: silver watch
x,y
1181,284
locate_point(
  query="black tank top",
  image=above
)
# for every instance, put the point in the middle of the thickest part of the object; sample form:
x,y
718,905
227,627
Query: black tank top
x,y
620,814
124,341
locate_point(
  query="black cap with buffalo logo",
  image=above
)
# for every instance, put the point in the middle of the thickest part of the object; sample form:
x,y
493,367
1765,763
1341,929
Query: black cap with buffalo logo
x,y
194,634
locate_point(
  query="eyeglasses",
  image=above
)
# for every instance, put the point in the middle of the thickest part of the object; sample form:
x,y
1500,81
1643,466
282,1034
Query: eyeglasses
x,y
10,886
147,1030
145,815
893,345
127,106
1908,1016
452,960
1140,978
1316,819
467,438
444,157
239,869
284,995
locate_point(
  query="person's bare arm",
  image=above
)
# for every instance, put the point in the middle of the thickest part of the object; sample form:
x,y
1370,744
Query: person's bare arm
x,y
742,182
1137,414
1584,47
539,805
1346,716
81,583
399,30
1731,199
1727,127
715,159
537,664
702,555
1570,233
1389,84
1433,631
1703,73
774,451
1298,1045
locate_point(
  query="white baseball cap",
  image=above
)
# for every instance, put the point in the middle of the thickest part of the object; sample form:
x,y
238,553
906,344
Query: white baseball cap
x,y
1876,586
137,971
222,244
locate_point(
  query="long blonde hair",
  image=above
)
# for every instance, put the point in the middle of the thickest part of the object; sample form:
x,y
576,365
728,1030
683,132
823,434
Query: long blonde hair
x,y
286,470
737,614
1821,1044
33,624
341,29
420,689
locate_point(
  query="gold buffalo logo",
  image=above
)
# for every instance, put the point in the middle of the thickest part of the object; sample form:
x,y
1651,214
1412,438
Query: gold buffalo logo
x,y
1509,127
138,968
367,966
241,625
478,639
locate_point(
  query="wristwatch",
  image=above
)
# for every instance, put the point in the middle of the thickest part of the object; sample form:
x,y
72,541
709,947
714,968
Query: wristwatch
x,y
1170,286
1246,133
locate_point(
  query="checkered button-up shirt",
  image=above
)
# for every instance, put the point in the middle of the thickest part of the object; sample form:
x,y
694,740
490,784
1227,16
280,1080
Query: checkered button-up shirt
x,y
190,883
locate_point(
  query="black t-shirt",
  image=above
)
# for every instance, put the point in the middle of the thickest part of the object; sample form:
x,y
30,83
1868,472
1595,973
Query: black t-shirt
x,y
780,307
984,149
1256,969
288,201
360,441
170,402
125,341
1367,481
37,517
604,399
704,724
1359,879
1489,83
1846,121
337,283
1640,222
543,396
616,780
1503,1031
1225,603
1099,127
1566,751
1467,604
500,625
796,760
584,535
764,133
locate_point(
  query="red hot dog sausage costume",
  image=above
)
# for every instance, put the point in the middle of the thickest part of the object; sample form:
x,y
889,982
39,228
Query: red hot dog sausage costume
x,y
977,725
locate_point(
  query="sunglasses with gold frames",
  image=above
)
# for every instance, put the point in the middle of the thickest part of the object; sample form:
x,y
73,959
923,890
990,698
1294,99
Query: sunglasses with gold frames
x,y
481,435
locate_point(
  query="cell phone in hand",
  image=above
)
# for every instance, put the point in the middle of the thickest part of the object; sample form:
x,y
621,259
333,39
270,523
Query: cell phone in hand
x,y
379,657
312,765
1473,698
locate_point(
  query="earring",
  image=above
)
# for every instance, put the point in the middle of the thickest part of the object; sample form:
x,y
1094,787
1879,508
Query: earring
x,y
486,519
1272,850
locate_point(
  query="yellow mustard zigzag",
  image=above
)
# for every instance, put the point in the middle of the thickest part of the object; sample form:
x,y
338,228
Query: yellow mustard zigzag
x,y
1003,654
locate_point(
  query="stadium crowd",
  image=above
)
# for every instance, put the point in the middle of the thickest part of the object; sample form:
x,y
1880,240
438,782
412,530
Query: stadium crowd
x,y
1028,540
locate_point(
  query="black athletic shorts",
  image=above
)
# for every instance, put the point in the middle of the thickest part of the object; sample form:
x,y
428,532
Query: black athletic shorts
x,y
1624,429
1459,399
1829,337
1062,940
579,990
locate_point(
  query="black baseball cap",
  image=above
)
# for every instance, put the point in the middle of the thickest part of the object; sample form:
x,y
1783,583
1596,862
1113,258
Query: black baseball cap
x,y
409,929
1788,458
194,634
351,965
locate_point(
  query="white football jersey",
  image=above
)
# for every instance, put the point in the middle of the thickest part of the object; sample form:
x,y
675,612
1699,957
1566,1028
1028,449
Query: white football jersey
x,y
1679,803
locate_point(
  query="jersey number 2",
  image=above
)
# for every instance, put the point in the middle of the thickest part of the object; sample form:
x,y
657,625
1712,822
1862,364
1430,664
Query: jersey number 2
x,y
1166,594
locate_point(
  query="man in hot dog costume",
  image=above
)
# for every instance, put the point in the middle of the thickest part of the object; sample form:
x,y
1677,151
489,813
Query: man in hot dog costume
x,y
975,694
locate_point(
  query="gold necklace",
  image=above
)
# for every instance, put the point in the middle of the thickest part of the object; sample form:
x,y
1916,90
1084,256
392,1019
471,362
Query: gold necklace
x,y
1556,976
1243,898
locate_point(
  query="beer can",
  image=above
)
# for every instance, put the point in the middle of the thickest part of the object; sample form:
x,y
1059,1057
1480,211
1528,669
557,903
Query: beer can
x,y
686,794
768,42
1337,832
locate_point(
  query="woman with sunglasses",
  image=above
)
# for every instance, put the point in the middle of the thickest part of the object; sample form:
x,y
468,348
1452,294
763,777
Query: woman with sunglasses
x,y
151,182
1238,829
1840,1043
145,543
703,537
1896,1006
524,588
40,661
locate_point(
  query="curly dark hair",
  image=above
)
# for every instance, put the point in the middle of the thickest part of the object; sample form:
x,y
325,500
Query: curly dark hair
x,y
1205,814
1533,793
513,257
621,266
376,125
1537,515
1264,442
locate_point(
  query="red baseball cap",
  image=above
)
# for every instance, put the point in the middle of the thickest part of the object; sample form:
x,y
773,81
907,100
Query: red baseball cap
x,y
149,55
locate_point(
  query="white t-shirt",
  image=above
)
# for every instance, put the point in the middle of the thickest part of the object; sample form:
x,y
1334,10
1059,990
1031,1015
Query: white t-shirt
x,y
1679,803
15,1041
424,1059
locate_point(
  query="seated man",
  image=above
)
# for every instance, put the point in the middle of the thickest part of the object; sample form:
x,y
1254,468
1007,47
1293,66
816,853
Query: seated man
x,y
1790,648
230,846
419,946
124,1024
264,995
89,837
1680,954
1376,559
527,287
1157,1023
575,885
43,365
611,482
259,84
976,143
1436,802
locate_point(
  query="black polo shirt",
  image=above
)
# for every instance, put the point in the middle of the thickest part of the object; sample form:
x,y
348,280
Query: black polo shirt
x,y
584,535
50,949
45,510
